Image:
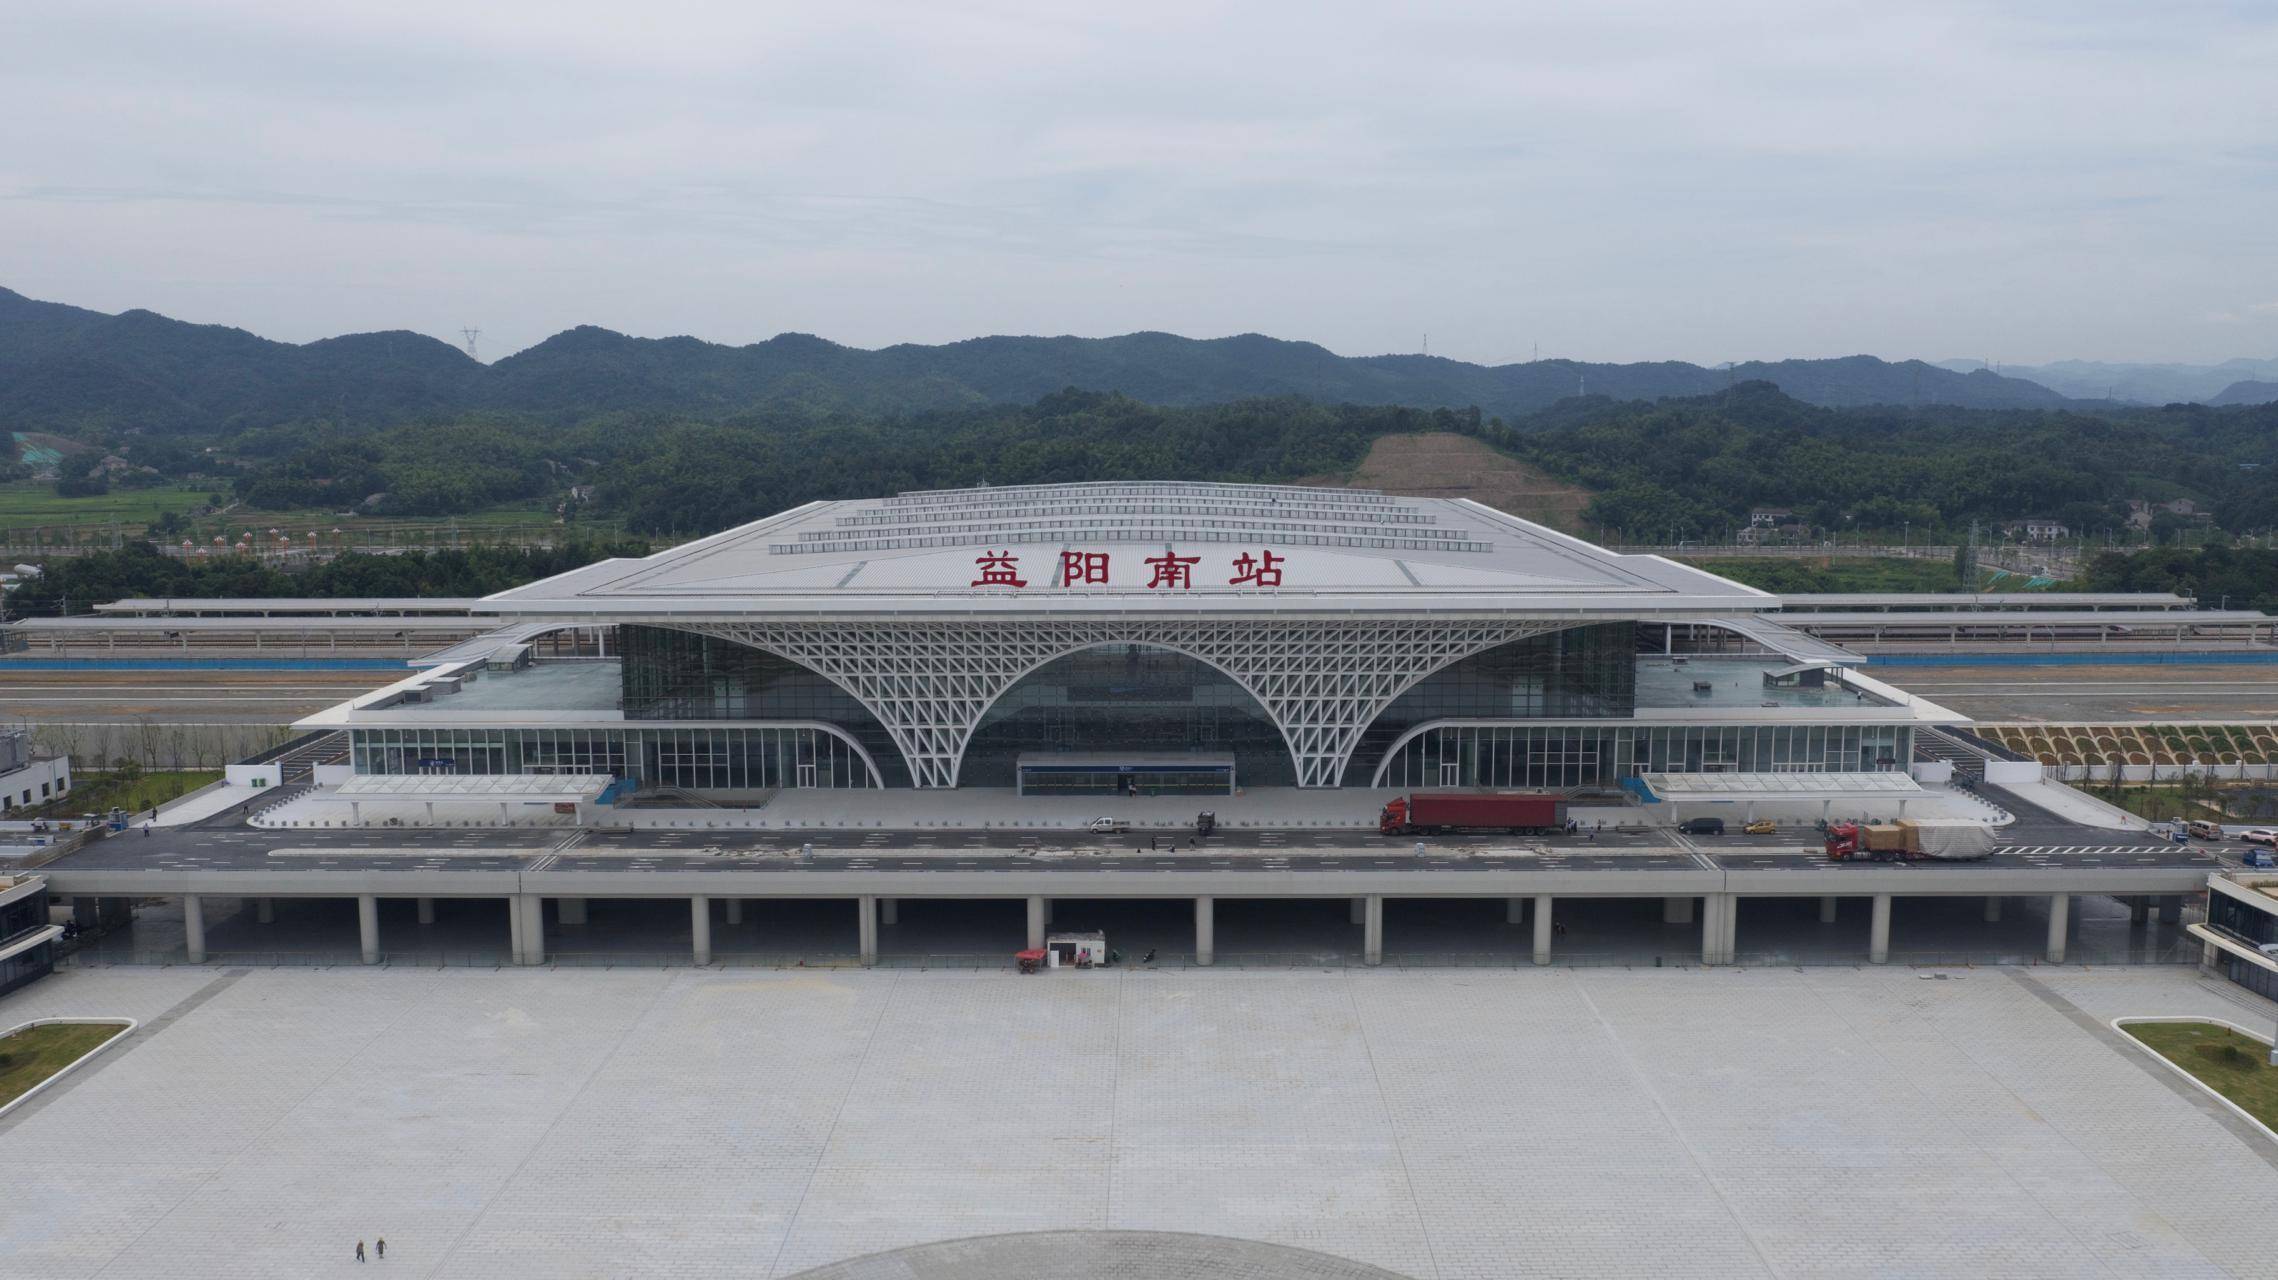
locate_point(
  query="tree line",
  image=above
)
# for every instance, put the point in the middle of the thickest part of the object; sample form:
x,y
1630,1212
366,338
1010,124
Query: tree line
x,y
75,584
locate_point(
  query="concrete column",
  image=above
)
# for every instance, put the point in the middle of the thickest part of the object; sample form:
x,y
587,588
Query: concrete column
x,y
2139,908
427,911
2060,907
368,927
1713,909
1878,933
533,929
1542,928
1205,931
700,928
1514,911
264,911
1993,909
1827,909
866,927
1372,931
194,928
733,908
1035,923
2171,908
1729,950
1359,910
514,943
571,910
1677,910
889,910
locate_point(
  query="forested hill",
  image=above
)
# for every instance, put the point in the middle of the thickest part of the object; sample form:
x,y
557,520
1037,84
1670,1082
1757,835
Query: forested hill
x,y
71,370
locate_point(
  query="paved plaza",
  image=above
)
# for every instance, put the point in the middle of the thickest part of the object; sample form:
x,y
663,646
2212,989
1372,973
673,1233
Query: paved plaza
x,y
633,1123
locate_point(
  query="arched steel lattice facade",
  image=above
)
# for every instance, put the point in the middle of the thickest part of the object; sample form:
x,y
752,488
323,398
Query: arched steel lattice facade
x,y
929,683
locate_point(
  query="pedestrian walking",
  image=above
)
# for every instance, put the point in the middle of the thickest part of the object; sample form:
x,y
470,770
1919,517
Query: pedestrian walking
x,y
380,1248
146,828
359,1251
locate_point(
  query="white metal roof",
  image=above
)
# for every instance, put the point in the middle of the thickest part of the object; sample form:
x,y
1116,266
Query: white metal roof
x,y
1334,551
1779,786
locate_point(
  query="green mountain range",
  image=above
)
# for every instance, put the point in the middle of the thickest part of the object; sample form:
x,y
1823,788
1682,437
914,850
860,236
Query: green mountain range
x,y
67,369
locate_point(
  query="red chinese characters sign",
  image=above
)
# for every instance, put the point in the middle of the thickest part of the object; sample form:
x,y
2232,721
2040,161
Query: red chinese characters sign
x,y
1169,571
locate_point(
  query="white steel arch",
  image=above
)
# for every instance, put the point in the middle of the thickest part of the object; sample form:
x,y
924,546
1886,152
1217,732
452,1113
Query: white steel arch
x,y
1323,682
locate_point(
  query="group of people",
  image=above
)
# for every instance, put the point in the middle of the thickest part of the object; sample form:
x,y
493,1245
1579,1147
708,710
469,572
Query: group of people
x,y
379,1250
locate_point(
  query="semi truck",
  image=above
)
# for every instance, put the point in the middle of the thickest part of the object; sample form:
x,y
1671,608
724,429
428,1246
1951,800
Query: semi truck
x,y
1943,839
1434,812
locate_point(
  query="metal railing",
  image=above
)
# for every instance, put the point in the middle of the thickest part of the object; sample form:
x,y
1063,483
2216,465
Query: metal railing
x,y
2182,952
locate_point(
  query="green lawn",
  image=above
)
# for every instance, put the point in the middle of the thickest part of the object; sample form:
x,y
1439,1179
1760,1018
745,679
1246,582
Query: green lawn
x,y
2161,801
26,504
2233,1065
99,792
35,1053
30,510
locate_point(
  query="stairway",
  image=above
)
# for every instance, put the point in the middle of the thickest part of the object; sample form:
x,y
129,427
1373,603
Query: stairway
x,y
1937,745
298,765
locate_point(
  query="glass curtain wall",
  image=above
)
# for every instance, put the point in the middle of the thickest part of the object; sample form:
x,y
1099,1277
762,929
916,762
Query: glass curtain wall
x,y
1557,756
1132,699
675,675
1577,673
714,759
2259,927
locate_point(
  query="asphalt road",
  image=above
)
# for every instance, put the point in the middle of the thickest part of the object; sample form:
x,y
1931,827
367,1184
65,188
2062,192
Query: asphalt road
x,y
236,847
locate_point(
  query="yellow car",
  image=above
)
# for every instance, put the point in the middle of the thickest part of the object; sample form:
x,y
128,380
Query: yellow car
x,y
1761,827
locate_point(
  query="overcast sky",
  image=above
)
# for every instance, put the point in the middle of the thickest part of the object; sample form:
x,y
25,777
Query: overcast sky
x,y
1612,180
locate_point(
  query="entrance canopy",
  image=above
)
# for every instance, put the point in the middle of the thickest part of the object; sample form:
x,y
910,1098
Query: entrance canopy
x,y
1699,788
503,788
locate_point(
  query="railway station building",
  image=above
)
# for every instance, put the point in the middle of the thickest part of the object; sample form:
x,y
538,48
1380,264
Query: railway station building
x,y
1137,637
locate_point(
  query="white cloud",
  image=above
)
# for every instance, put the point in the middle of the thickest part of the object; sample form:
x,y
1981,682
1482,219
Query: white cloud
x,y
1634,180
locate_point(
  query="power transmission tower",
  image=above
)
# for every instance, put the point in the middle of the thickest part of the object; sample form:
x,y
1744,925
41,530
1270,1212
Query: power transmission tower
x,y
472,335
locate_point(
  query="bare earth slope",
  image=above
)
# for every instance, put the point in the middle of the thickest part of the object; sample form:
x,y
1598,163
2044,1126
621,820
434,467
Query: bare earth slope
x,y
1445,465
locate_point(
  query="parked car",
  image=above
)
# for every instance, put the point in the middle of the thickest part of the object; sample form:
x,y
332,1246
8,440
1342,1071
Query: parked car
x,y
2260,835
1761,827
2268,948
1702,826
2205,830
1107,826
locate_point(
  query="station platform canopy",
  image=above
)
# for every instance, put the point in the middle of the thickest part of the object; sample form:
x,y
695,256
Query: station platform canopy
x,y
1788,642
1865,601
1699,788
278,606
